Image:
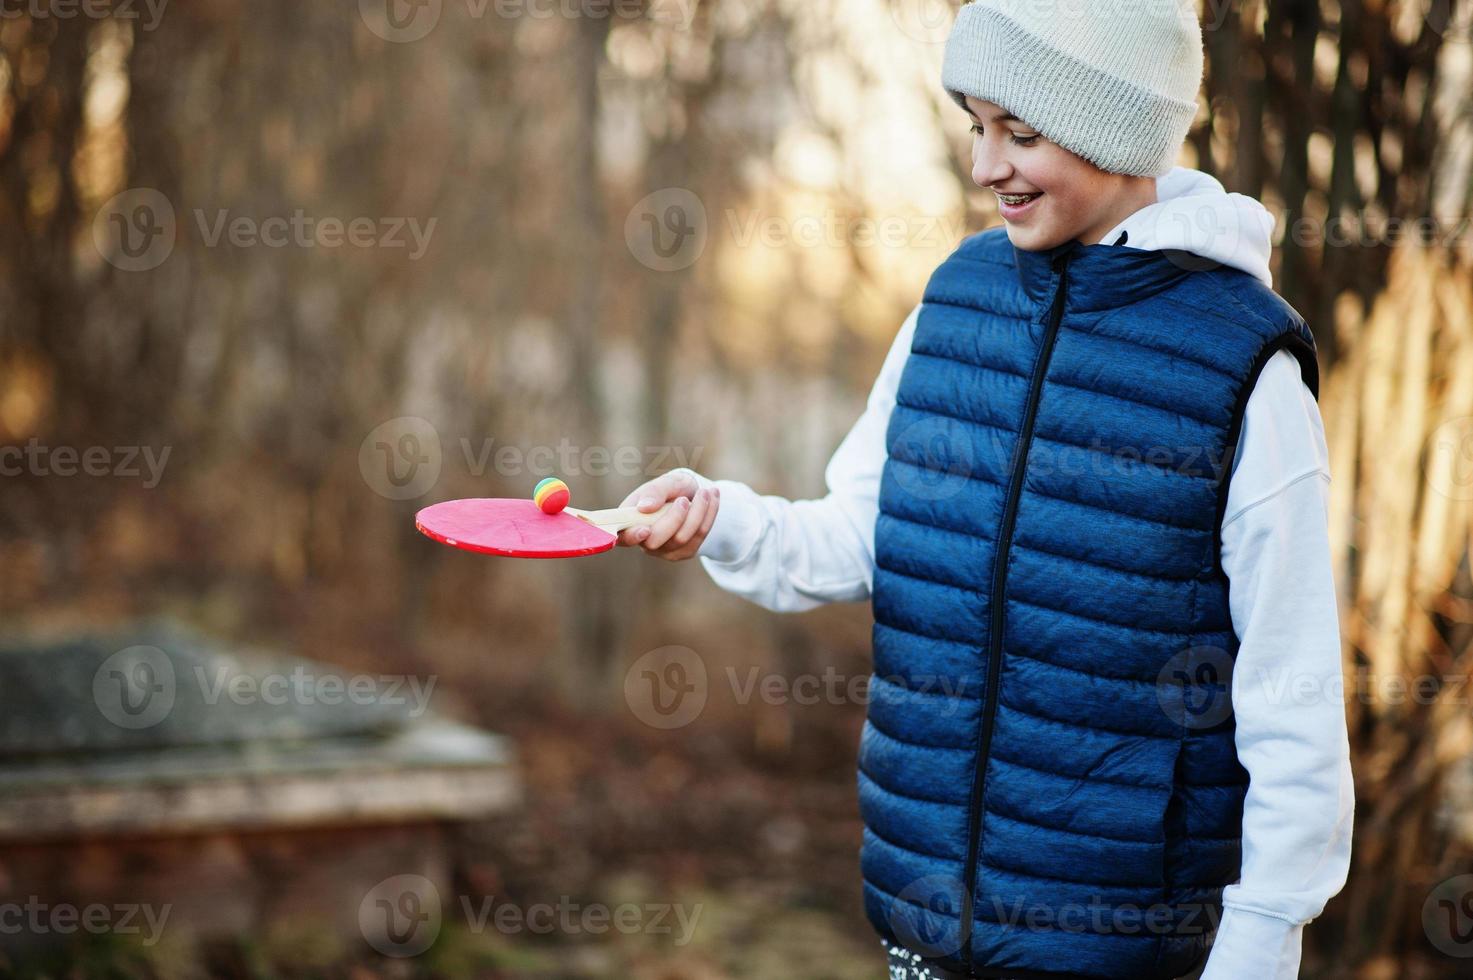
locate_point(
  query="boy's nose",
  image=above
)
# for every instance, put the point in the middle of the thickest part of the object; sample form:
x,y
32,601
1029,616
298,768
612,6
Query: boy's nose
x,y
989,168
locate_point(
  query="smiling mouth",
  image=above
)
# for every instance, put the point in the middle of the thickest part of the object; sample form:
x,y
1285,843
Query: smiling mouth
x,y
1016,199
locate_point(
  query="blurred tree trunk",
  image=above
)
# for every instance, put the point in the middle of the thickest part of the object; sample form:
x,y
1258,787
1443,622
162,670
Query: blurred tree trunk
x,y
597,605
1266,78
46,83
671,164
1397,407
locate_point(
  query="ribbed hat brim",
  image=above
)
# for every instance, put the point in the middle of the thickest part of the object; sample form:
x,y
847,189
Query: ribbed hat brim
x,y
1119,127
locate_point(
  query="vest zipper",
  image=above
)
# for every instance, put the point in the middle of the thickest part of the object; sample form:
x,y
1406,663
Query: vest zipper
x,y
999,587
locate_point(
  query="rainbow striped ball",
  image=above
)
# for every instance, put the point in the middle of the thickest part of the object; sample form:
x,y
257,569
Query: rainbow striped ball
x,y
551,495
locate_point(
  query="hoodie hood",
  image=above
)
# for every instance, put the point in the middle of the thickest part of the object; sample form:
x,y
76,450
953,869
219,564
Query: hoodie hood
x,y
1195,214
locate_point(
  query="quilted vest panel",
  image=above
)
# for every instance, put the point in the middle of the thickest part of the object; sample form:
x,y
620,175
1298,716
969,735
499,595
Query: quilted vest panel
x,y
1047,773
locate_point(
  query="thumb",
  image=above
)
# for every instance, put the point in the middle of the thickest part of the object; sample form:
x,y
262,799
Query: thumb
x,y
666,487
655,493
648,496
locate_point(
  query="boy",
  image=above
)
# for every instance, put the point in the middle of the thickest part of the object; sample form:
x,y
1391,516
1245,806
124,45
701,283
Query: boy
x,y
1066,579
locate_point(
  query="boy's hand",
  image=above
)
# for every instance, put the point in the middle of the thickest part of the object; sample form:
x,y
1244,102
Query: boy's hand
x,y
677,535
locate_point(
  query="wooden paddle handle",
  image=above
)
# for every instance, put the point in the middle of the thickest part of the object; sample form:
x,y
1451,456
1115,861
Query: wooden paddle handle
x,y
616,519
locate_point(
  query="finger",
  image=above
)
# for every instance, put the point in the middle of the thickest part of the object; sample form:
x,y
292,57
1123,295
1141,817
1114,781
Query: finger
x,y
676,483
668,524
683,481
712,508
713,505
693,518
661,530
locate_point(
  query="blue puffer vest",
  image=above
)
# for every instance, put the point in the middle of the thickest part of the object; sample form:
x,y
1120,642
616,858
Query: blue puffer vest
x,y
1048,778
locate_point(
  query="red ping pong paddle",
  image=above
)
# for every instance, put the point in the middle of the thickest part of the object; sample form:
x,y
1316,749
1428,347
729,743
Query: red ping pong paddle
x,y
517,528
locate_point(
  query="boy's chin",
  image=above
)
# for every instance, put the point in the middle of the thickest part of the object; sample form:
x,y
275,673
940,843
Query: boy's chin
x,y
1032,239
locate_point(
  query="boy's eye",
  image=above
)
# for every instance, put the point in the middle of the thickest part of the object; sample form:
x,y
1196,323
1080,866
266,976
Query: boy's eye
x,y
1020,140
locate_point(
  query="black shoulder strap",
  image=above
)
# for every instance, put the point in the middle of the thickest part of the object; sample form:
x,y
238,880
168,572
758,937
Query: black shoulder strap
x,y
1303,350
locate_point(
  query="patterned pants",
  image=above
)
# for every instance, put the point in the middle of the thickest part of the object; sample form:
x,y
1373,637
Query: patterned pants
x,y
905,965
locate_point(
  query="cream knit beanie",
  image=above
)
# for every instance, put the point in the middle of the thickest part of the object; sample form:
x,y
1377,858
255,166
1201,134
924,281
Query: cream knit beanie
x,y
1112,81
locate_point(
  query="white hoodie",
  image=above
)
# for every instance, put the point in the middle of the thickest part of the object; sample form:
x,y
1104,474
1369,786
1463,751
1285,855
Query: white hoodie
x,y
790,556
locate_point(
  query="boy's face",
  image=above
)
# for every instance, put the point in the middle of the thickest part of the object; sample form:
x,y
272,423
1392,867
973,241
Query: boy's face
x,y
1075,199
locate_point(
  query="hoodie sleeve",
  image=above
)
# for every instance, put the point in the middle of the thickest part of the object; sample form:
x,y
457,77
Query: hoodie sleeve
x,y
794,555
1287,685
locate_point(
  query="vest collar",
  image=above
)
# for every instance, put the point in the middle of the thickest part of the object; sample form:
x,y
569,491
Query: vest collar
x,y
1102,276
